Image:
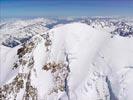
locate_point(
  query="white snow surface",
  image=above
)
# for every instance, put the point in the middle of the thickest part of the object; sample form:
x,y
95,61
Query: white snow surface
x,y
93,57
7,58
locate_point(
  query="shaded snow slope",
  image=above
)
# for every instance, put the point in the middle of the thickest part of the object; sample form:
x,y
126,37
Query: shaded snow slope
x,y
7,58
117,53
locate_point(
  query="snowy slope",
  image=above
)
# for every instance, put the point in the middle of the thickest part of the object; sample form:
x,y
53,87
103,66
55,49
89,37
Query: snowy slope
x,y
8,57
117,54
75,61
80,37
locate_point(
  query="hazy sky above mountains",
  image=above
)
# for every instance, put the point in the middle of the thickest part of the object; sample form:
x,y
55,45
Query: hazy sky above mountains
x,y
23,8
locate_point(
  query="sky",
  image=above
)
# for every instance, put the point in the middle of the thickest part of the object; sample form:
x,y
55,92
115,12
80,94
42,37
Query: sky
x,y
23,8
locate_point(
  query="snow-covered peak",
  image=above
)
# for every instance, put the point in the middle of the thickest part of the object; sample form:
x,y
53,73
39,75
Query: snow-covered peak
x,y
74,61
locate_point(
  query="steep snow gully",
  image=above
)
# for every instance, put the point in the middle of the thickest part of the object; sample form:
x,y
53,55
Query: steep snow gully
x,y
70,62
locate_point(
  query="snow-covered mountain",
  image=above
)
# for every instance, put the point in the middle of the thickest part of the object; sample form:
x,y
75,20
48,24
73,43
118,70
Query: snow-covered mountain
x,y
66,59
